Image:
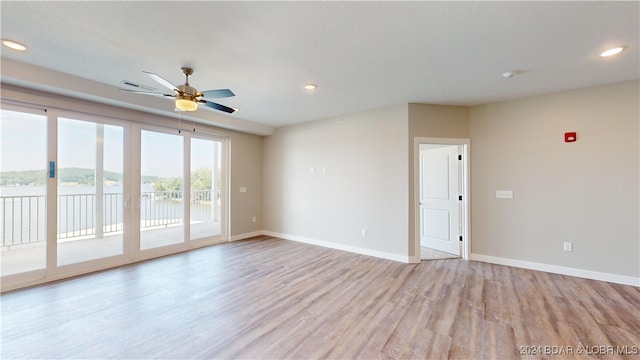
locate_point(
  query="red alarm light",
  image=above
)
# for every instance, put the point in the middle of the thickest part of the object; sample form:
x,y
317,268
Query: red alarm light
x,y
570,137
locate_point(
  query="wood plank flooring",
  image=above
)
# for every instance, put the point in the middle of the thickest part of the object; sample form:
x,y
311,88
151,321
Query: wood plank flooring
x,y
268,298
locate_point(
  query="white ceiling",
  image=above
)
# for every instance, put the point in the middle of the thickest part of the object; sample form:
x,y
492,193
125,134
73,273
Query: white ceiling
x,y
362,55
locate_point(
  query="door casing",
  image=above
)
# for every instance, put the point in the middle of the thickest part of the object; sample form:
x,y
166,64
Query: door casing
x,y
464,214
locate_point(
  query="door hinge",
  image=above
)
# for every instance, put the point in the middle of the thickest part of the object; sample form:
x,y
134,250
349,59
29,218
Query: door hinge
x,y
460,197
459,157
460,237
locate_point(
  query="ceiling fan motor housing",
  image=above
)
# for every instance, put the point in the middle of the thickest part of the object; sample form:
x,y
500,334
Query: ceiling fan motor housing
x,y
187,92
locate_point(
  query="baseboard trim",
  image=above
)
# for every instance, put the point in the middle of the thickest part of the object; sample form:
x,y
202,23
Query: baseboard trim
x,y
245,235
562,270
336,246
555,269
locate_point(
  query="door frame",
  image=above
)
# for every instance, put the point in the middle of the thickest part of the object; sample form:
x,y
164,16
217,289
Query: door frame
x,y
54,270
225,211
465,214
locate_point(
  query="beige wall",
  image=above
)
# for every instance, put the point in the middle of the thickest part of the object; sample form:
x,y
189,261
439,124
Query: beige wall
x,y
434,121
365,186
438,121
585,192
246,171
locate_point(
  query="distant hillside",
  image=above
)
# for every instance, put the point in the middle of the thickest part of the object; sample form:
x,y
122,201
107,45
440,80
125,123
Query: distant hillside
x,y
29,177
65,175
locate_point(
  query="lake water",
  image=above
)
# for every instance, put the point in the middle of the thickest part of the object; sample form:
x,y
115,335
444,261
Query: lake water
x,y
62,190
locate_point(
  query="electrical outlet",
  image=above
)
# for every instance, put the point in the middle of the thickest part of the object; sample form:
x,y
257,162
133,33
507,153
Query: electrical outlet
x,y
254,219
363,232
568,246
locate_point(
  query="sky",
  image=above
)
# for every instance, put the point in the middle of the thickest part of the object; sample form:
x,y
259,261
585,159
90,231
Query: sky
x,y
23,143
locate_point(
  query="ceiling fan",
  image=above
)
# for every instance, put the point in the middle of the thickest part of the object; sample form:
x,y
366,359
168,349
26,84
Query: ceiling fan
x,y
187,97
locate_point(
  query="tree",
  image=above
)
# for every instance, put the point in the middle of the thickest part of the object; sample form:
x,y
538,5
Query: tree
x,y
201,179
171,185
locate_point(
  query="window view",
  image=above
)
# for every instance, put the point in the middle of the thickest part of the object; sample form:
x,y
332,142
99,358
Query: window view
x,y
90,191
23,177
94,214
206,176
161,205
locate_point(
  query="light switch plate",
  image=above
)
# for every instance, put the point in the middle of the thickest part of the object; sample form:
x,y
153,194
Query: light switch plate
x,y
504,194
243,189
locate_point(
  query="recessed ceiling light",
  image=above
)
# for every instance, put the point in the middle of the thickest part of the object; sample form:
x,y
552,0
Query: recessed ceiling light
x,y
311,86
13,45
612,52
511,73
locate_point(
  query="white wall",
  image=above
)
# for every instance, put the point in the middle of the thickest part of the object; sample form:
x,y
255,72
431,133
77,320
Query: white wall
x,y
585,192
365,186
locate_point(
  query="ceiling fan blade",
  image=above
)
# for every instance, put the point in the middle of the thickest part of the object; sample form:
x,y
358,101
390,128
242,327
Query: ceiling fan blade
x,y
218,106
217,94
162,81
146,93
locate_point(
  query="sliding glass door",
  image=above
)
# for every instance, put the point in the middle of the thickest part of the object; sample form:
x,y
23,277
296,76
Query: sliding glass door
x,y
90,191
80,192
23,191
161,189
206,188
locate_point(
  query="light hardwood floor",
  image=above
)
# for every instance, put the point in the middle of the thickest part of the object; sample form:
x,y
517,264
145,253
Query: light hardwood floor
x,y
268,298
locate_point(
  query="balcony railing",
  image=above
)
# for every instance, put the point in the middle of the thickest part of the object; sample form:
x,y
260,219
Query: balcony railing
x,y
24,217
160,208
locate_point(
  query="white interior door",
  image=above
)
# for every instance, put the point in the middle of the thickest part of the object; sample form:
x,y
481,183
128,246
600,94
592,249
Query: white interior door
x,y
439,202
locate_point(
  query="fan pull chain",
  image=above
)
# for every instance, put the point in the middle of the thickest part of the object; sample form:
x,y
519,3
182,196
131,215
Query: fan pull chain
x,y
179,121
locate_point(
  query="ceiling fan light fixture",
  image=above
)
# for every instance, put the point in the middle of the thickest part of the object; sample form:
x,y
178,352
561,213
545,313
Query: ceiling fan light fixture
x,y
185,104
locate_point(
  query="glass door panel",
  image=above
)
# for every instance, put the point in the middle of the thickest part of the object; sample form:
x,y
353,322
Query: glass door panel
x,y
206,176
161,205
23,179
90,190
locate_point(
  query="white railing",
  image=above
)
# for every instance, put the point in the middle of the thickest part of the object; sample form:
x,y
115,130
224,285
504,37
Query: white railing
x,y
77,215
24,217
161,208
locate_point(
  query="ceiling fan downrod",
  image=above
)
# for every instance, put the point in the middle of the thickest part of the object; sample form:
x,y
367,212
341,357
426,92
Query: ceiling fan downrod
x,y
187,71
186,91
